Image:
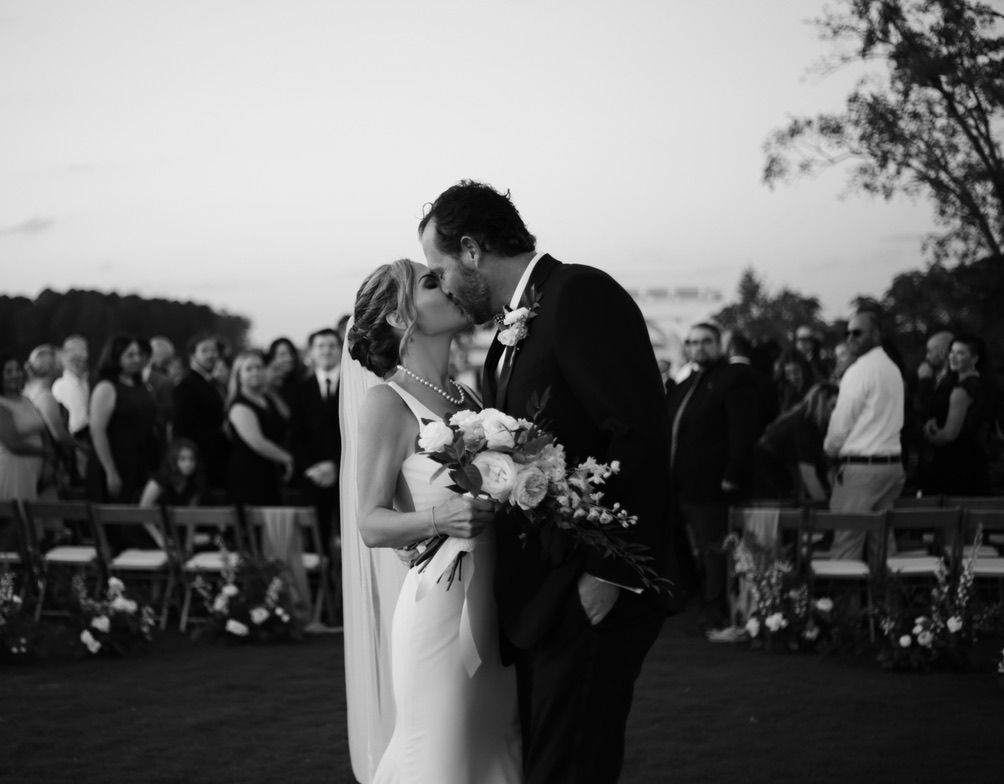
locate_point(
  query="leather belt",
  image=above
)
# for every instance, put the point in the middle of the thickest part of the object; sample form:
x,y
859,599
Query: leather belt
x,y
872,459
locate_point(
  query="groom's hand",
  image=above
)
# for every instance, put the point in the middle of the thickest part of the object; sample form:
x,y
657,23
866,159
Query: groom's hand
x,y
598,598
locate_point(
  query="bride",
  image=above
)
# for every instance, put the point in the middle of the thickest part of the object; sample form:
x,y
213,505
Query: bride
x,y
455,704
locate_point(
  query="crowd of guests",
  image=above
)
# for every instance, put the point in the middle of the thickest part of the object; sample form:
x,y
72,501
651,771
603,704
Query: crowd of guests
x,y
849,428
150,426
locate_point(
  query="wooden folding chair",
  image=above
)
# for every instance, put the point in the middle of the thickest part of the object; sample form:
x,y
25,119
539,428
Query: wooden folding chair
x,y
974,503
18,554
155,564
307,548
835,571
913,502
989,567
935,531
189,521
83,554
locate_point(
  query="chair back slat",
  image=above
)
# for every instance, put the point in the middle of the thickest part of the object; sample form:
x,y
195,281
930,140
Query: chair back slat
x,y
112,518
975,502
187,520
924,502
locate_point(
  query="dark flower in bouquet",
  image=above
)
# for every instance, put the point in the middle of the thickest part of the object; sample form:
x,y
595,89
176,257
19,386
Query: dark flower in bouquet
x,y
516,462
926,628
116,624
250,602
781,610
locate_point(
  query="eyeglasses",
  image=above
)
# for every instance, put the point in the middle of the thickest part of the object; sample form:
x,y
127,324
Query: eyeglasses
x,y
855,333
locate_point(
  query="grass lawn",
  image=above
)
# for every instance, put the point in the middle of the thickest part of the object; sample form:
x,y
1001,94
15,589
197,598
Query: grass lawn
x,y
190,712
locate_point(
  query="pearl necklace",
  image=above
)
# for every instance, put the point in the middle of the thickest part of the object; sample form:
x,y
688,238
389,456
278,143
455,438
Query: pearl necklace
x,y
434,388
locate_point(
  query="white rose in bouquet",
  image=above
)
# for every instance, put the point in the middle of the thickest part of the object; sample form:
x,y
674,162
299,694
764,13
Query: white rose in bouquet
x,y
954,624
499,430
530,488
101,623
498,474
434,436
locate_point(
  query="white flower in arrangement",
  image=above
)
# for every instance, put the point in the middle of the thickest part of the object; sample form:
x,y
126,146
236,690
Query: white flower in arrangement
x,y
123,605
530,488
954,624
499,429
905,641
925,639
88,639
498,474
230,590
463,418
434,436
101,623
237,628
753,627
259,615
115,586
282,615
824,605
220,603
776,622
811,632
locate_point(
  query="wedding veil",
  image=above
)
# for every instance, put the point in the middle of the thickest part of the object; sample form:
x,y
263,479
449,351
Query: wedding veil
x,y
371,582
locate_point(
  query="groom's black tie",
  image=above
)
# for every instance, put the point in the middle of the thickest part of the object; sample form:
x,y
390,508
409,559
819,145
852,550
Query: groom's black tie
x,y
504,374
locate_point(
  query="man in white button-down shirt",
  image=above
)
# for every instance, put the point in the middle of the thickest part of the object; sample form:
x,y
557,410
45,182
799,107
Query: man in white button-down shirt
x,y
864,435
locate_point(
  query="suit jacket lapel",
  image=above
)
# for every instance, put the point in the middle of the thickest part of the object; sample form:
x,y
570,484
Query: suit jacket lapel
x,y
538,278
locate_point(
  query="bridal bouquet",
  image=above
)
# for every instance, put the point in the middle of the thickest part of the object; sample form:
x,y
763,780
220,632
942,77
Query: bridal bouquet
x,y
516,462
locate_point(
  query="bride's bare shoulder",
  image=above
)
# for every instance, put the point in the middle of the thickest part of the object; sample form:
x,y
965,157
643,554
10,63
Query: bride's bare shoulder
x,y
382,403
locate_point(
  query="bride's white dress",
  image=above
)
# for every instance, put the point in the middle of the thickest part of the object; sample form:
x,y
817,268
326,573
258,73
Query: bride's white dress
x,y
451,727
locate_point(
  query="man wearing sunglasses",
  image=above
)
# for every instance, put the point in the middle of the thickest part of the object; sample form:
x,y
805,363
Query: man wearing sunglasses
x,y
864,435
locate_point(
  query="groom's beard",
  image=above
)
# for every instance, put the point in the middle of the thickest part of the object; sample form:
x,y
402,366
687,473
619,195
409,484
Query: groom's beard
x,y
472,296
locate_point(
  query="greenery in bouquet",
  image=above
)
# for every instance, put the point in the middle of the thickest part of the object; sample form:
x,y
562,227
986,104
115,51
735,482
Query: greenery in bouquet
x,y
250,602
925,628
115,624
518,463
782,613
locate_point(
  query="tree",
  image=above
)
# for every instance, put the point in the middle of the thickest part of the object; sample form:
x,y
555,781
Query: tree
x,y
928,124
763,315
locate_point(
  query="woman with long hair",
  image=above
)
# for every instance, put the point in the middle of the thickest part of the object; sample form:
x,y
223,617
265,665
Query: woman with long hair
x,y
22,435
257,421
789,462
179,481
456,714
960,465
123,417
284,368
793,377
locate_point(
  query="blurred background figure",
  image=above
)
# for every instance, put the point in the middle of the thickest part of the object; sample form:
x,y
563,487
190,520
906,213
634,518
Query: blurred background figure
x,y
810,345
198,408
284,368
258,421
42,371
178,481
740,352
22,435
959,465
156,375
73,391
793,379
842,360
123,425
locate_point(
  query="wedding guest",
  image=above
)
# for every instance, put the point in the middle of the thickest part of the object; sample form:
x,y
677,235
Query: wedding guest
x,y
22,435
73,391
715,415
284,368
123,425
179,480
739,350
316,437
960,466
793,378
161,387
864,436
842,360
789,462
810,346
929,400
198,408
42,371
257,422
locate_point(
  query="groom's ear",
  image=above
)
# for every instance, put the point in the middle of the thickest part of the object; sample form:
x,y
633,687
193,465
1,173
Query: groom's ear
x,y
470,251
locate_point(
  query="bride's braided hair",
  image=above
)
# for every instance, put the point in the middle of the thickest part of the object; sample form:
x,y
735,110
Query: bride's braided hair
x,y
373,342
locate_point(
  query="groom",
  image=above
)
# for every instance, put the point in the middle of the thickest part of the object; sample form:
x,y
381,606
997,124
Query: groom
x,y
578,631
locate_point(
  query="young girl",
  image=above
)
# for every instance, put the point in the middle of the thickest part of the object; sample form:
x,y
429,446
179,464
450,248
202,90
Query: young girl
x,y
179,480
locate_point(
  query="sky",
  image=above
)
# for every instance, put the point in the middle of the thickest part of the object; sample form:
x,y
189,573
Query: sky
x,y
263,157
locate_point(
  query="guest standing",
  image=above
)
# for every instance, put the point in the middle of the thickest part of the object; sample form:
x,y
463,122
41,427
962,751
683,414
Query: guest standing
x,y
960,465
930,396
257,422
198,409
793,377
73,391
123,419
284,368
864,435
42,372
22,436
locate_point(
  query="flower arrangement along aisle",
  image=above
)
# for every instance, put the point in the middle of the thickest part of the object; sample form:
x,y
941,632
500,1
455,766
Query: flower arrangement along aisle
x,y
115,625
781,611
516,462
18,631
250,603
926,628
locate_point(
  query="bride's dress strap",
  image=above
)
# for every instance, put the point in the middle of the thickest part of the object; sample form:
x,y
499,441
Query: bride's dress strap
x,y
419,409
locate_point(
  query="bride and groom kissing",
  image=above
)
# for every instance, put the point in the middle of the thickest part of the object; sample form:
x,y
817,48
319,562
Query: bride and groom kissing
x,y
523,669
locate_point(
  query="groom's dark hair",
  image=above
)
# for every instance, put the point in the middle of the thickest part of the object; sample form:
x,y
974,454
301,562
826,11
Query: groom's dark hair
x,y
478,210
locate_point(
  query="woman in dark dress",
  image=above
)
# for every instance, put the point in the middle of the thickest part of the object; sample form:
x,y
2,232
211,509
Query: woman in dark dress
x,y
789,462
257,421
123,420
960,465
793,377
284,369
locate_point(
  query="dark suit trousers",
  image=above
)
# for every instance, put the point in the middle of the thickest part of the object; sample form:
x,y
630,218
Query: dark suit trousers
x,y
576,687
708,525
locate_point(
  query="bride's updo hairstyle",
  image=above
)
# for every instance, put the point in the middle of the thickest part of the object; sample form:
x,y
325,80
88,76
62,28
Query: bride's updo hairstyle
x,y
373,342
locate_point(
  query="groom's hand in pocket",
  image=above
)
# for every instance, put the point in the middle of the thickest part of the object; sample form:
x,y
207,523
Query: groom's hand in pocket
x,y
597,597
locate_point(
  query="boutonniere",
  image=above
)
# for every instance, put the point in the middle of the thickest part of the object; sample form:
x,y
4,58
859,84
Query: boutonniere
x,y
516,322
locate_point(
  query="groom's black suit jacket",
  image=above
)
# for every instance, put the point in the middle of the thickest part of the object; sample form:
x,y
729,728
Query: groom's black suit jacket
x,y
589,345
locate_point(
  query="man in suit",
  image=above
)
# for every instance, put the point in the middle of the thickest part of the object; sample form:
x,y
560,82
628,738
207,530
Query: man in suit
x,y
199,409
578,631
715,416
315,436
